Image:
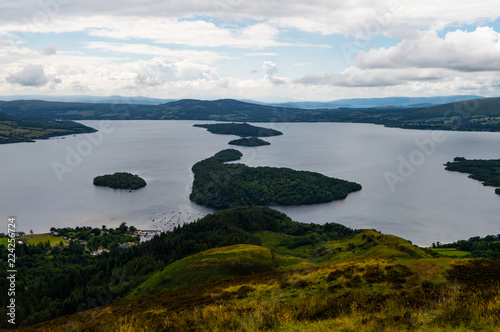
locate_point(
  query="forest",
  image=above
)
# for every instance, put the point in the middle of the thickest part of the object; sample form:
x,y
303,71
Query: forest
x,y
484,247
120,180
224,185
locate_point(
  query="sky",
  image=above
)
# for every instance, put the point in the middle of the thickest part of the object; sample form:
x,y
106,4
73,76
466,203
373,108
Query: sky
x,y
266,50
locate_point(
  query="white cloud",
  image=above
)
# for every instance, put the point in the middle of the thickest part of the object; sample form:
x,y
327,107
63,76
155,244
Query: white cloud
x,y
159,71
49,50
192,55
10,52
321,16
458,50
30,75
177,41
272,73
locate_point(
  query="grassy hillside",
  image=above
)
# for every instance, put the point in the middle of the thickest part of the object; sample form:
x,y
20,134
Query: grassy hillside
x,y
284,276
218,263
372,294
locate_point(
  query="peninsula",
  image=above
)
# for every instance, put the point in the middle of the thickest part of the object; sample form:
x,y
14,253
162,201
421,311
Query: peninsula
x,y
14,129
485,171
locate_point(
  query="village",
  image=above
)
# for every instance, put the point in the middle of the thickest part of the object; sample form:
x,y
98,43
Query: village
x,y
92,240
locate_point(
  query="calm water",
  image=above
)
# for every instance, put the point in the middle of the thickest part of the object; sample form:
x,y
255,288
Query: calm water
x,y
49,183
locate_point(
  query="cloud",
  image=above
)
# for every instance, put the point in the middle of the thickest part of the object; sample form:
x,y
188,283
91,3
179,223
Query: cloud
x,y
357,77
271,73
196,33
191,55
30,75
458,50
11,53
318,16
160,71
49,50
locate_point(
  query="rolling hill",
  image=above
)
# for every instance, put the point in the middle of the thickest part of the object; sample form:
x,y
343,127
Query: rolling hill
x,y
470,115
366,281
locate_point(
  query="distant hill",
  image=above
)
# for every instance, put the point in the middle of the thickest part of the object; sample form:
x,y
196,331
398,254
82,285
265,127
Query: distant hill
x,y
471,115
90,99
378,102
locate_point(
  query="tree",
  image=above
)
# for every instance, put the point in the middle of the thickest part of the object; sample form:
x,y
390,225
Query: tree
x,y
76,247
123,227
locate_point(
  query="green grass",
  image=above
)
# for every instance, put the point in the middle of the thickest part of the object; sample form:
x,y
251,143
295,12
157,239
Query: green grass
x,y
4,241
368,295
209,265
42,238
451,252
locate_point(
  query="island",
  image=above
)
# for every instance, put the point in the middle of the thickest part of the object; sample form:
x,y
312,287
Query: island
x,y
249,141
218,184
239,129
14,129
485,171
120,181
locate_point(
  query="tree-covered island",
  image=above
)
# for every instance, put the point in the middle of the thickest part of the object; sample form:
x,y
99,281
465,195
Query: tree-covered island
x,y
120,180
249,141
239,129
224,185
485,171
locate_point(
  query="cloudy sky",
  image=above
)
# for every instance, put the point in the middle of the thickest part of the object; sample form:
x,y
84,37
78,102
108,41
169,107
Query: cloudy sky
x,y
266,50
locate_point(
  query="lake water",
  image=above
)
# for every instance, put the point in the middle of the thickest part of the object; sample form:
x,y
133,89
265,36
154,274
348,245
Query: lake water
x,y
406,190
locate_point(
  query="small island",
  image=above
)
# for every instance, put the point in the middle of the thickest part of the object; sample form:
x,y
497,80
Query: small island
x,y
239,129
249,141
485,171
120,181
219,184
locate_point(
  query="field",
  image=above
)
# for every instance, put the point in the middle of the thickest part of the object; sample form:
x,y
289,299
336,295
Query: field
x,y
451,252
42,238
4,241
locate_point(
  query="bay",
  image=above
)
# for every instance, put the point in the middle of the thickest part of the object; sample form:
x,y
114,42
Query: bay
x,y
406,191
